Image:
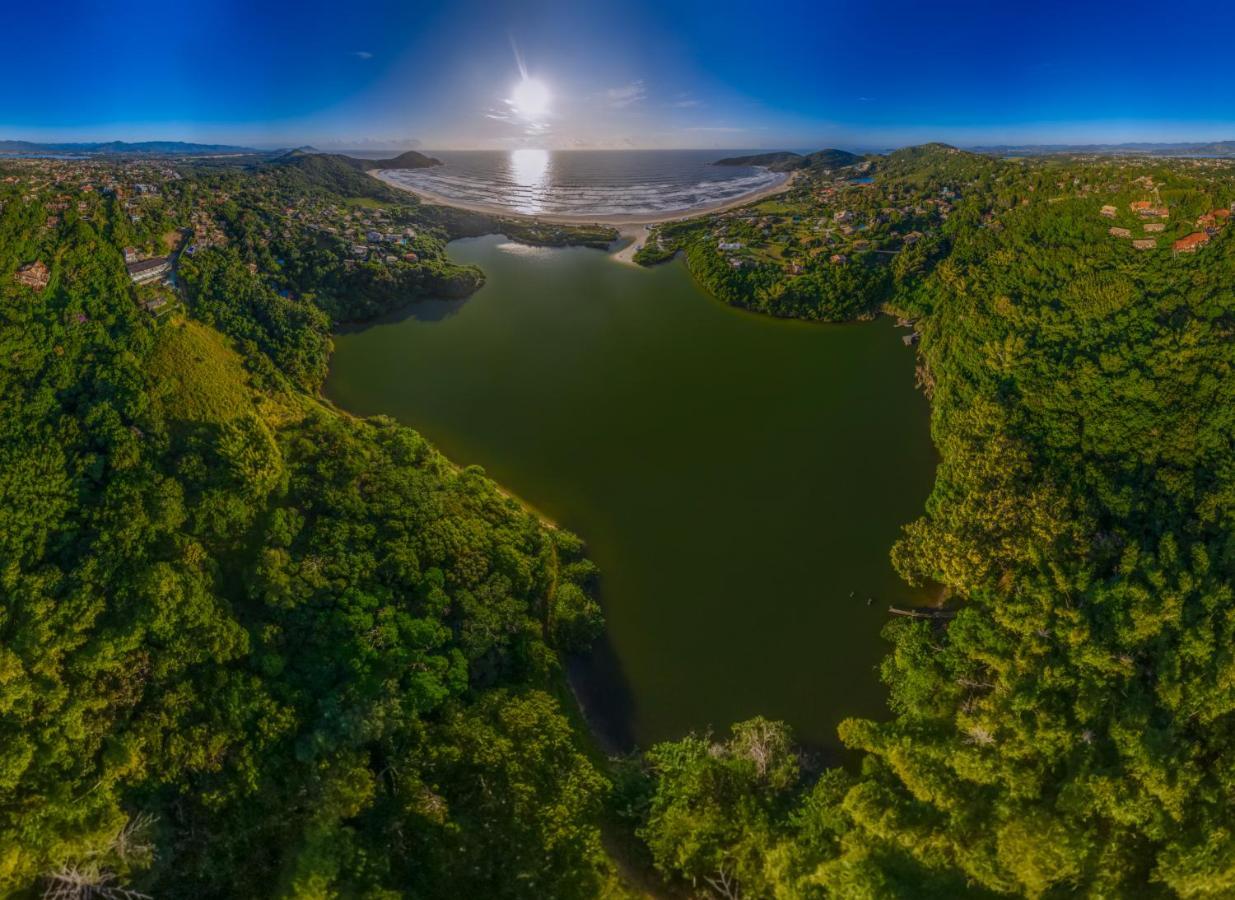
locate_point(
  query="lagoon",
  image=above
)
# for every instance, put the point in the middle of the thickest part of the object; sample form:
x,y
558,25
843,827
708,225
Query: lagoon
x,y
738,479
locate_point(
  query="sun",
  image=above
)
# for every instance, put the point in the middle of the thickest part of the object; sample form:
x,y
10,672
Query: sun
x,y
530,98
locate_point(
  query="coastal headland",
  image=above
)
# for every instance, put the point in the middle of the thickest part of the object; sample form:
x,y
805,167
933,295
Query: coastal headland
x,y
631,227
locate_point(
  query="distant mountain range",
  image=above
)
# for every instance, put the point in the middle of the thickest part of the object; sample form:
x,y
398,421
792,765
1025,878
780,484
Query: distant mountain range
x,y
121,148
1210,149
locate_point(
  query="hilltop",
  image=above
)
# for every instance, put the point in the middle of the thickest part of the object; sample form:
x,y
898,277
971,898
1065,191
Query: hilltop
x,y
410,159
333,172
830,159
779,160
932,160
788,161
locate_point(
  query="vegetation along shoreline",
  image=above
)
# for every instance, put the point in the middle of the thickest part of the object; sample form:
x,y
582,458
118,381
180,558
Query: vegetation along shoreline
x,y
249,640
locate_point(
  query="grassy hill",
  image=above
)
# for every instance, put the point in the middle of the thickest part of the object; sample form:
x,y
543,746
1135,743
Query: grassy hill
x,y
199,377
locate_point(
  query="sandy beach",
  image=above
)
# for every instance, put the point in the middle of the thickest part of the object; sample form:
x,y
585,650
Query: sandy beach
x,y
631,228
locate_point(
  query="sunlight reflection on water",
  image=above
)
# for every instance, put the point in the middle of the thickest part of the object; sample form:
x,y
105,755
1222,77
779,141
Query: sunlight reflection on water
x,y
529,170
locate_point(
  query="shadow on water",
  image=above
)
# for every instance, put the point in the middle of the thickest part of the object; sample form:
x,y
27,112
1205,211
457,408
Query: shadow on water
x,y
429,310
604,695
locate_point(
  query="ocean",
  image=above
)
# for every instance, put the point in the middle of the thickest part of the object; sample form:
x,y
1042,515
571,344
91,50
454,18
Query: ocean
x,y
587,182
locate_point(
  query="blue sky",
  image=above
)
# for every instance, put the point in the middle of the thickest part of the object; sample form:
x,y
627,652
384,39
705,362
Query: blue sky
x,y
628,73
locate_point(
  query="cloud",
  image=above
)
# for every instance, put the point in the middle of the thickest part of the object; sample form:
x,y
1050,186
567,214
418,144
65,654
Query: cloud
x,y
362,54
620,97
685,101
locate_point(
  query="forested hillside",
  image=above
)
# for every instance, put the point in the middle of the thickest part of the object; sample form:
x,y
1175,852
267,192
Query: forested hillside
x,y
252,646
1069,731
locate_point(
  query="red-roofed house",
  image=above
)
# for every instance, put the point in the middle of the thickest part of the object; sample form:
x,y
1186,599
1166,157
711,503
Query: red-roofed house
x,y
1190,243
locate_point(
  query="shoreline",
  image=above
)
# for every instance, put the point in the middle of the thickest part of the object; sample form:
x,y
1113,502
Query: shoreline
x,y
631,221
632,229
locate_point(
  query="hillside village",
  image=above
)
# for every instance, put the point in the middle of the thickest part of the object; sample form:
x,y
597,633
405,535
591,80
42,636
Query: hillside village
x,y
839,239
889,216
161,213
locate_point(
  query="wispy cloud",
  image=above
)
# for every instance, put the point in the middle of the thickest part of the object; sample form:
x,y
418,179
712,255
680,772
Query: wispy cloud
x,y
507,112
626,95
685,101
362,54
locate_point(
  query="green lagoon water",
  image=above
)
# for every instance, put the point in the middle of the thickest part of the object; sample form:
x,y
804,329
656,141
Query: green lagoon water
x,y
739,480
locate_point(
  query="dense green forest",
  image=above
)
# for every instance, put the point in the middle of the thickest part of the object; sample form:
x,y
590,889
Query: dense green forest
x,y
252,646
1070,730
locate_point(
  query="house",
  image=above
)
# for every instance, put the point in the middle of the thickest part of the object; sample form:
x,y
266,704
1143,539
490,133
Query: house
x,y
360,250
912,238
1154,227
1138,206
34,275
1207,221
735,263
131,254
410,257
1221,213
1119,232
1145,244
149,269
729,245
1160,212
1109,211
839,259
1191,243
